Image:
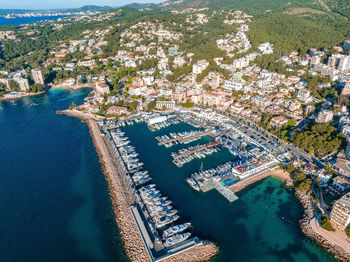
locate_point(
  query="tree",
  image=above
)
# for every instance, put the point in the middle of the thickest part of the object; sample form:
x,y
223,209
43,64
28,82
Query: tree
x,y
151,105
291,122
299,177
290,168
325,224
347,230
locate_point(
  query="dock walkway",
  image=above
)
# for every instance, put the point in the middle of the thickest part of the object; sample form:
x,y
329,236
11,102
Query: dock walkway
x,y
184,139
209,145
213,184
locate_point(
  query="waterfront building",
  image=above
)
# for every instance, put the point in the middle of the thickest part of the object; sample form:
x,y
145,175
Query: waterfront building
x,y
340,215
22,83
117,110
102,88
169,105
37,76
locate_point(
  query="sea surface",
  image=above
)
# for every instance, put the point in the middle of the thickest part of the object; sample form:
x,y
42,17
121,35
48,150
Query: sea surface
x,y
55,204
28,20
54,200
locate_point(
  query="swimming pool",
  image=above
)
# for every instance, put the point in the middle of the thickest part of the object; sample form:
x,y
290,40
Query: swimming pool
x,y
13,93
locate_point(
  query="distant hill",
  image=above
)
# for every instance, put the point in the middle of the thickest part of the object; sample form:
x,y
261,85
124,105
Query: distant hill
x,y
93,8
140,6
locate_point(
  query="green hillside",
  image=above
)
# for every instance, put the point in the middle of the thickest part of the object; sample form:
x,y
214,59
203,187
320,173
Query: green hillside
x,y
251,6
341,7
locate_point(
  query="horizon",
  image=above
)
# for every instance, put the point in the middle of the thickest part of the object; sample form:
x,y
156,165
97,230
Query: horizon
x,y
70,4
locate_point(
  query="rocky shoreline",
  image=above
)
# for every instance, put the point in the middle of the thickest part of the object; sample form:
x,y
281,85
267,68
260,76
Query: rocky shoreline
x,y
20,95
76,113
305,224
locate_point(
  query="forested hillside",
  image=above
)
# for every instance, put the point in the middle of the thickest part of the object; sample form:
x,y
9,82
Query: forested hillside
x,y
252,6
339,6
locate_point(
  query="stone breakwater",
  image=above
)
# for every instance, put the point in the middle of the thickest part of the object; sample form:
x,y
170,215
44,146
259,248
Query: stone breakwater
x,y
133,244
305,224
277,172
76,113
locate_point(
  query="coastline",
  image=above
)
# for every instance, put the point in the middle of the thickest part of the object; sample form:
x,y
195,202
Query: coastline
x,y
75,113
131,237
309,226
276,172
133,243
308,222
20,95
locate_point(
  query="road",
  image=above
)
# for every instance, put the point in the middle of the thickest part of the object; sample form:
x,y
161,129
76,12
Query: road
x,y
275,145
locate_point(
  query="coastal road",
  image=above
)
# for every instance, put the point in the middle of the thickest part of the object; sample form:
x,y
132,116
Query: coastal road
x,y
335,238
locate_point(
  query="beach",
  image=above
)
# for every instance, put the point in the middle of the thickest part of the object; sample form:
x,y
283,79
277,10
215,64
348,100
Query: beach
x,y
276,172
19,95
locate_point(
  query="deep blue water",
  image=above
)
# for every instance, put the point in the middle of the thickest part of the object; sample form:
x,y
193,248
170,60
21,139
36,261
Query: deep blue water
x,y
54,201
27,20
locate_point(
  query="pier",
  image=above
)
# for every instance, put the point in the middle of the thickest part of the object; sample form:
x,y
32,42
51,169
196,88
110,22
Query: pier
x,y
182,140
211,184
190,152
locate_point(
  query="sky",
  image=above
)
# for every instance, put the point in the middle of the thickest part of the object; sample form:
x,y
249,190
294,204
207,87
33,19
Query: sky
x,y
54,4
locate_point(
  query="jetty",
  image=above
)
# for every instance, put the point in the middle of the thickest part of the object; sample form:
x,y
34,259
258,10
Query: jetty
x,y
183,139
196,149
211,184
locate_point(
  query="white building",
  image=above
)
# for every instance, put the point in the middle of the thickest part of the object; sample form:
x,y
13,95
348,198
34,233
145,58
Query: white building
x,y
266,48
303,94
340,215
38,76
324,116
169,105
200,66
232,85
102,88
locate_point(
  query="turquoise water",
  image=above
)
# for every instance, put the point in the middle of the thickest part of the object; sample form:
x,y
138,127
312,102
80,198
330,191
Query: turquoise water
x,y
261,226
54,198
55,204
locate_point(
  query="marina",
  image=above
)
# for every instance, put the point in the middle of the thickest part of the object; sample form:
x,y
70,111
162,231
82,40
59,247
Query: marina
x,y
182,137
153,213
186,155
